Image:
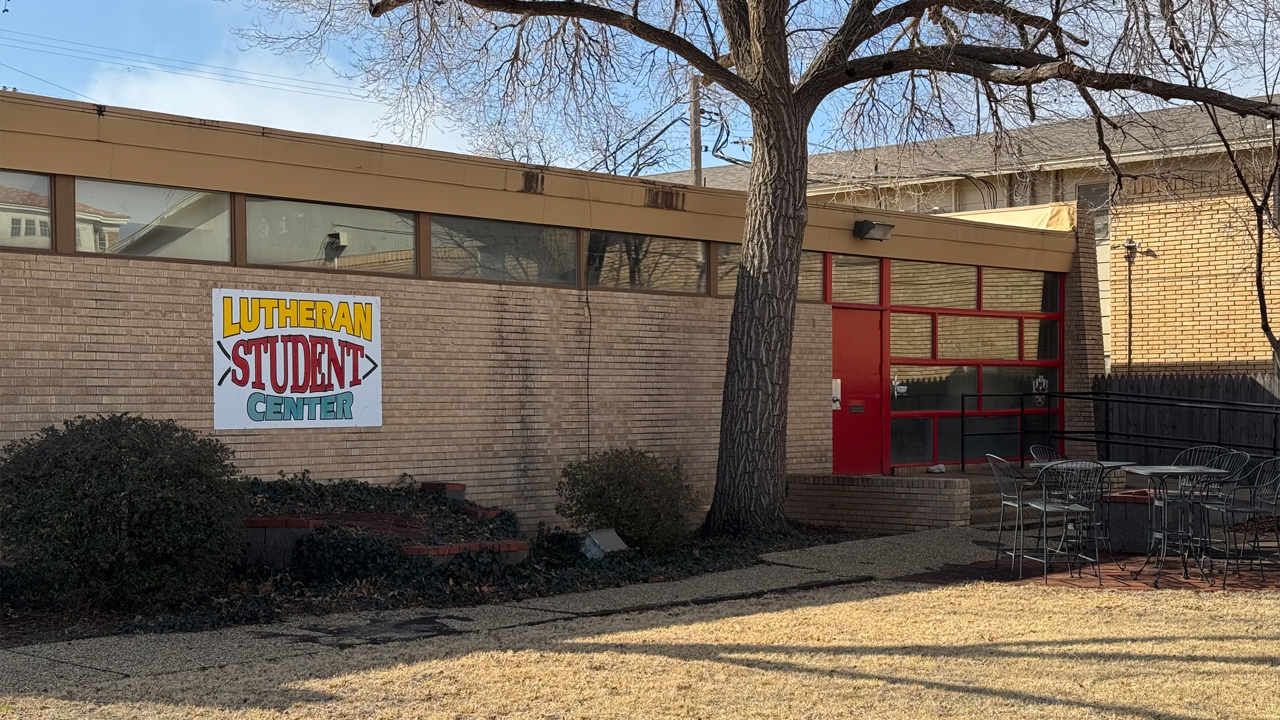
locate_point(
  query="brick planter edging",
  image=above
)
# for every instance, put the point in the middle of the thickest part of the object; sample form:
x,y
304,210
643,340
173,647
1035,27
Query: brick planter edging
x,y
277,535
282,521
511,551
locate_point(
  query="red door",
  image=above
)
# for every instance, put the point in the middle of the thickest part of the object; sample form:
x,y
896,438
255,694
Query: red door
x,y
856,425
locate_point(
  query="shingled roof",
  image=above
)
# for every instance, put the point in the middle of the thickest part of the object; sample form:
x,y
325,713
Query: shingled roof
x,y
17,197
1056,145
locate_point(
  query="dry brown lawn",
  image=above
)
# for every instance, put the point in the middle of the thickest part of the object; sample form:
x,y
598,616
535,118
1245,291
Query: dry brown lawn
x,y
881,650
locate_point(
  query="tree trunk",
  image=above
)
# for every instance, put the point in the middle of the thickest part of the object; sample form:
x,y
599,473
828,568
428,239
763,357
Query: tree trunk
x,y
751,470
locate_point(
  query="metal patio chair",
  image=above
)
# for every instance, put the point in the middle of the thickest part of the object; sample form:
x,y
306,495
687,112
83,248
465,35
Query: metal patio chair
x,y
1199,455
1044,453
1247,503
1071,489
1177,518
1013,484
1213,490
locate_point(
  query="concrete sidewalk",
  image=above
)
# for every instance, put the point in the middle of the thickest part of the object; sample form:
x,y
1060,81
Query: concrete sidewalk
x,y
37,668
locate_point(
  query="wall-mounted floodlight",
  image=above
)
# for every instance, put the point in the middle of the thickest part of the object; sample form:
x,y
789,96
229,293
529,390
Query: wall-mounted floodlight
x,y
872,230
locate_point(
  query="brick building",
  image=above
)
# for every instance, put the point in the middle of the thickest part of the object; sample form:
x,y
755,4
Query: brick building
x,y
1194,307
528,315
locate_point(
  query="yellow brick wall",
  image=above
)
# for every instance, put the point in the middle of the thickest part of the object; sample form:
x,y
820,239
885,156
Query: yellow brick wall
x,y
1194,303
489,385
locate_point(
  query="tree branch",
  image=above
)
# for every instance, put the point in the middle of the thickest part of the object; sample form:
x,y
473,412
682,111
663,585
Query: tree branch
x,y
604,16
861,25
1030,68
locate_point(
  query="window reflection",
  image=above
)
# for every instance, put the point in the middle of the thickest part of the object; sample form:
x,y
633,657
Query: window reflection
x,y
855,279
931,387
24,210
150,220
811,275
966,337
1019,290
933,284
286,232
622,260
495,250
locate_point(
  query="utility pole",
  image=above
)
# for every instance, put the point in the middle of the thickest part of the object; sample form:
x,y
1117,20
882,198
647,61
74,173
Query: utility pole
x,y
695,129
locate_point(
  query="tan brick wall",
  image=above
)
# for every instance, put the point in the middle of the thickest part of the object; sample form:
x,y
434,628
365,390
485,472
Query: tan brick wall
x,y
1194,303
878,504
483,384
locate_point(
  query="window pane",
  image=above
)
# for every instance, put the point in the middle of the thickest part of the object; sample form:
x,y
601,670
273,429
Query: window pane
x,y
977,337
976,448
494,250
933,284
24,198
910,336
730,254
910,440
1094,195
129,219
811,272
1019,290
286,232
728,257
925,387
1017,380
1098,197
855,279
621,260
1040,339
1005,445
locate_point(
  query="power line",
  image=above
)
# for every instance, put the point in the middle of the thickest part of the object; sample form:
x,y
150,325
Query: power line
x,y
205,75
635,135
46,82
117,53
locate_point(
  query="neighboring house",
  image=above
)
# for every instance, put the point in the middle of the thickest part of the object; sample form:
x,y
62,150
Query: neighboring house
x,y
24,220
24,217
1192,274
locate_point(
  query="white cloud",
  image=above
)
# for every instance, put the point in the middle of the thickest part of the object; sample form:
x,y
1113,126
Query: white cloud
x,y
203,97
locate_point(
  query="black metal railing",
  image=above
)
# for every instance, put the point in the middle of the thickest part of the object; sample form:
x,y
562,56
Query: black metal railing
x,y
1150,427
1042,406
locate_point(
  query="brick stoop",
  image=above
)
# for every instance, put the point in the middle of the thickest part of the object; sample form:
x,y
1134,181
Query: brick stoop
x,y
878,503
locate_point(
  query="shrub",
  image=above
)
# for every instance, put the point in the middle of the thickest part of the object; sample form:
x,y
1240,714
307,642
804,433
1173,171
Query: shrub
x,y
645,499
300,493
336,555
120,511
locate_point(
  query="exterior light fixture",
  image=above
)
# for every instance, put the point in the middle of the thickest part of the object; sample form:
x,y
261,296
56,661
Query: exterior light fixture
x,y
872,230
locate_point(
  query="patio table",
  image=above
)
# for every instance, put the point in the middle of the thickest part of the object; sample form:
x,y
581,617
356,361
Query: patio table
x,y
1158,478
1107,465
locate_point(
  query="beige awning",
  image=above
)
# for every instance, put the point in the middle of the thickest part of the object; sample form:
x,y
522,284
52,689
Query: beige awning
x,y
1050,216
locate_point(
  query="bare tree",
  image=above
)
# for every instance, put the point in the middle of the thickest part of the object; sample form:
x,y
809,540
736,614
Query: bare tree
x,y
619,141
909,67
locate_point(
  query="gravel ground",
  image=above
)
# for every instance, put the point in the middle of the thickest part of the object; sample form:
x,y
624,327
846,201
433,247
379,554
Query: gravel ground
x,y
894,555
883,649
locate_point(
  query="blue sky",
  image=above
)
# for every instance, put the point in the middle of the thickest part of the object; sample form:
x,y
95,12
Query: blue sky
x,y
196,31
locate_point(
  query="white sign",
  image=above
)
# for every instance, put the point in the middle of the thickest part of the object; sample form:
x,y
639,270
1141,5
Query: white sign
x,y
296,360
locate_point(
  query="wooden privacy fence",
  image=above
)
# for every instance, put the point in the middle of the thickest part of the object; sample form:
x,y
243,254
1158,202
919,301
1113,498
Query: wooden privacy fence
x,y
1149,418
